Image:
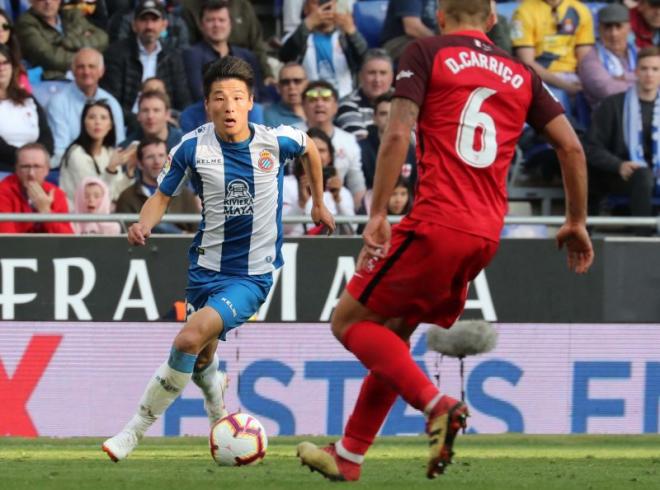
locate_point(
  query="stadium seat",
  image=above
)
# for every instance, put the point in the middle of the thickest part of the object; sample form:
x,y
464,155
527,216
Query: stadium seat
x,y
369,18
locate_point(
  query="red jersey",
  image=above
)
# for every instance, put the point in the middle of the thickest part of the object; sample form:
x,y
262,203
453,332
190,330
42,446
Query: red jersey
x,y
474,100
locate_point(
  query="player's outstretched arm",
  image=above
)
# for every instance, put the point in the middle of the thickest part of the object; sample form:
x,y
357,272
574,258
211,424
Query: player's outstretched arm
x,y
150,215
573,233
311,161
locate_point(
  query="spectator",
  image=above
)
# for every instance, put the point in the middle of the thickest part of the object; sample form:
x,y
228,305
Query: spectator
x,y
370,145
93,197
155,84
8,38
554,48
216,27
94,10
645,23
356,111
328,45
153,118
93,154
247,33
50,39
399,204
26,191
623,151
609,67
290,86
65,107
406,20
22,120
500,33
320,105
151,158
176,34
131,61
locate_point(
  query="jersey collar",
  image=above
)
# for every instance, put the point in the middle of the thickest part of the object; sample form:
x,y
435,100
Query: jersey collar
x,y
472,33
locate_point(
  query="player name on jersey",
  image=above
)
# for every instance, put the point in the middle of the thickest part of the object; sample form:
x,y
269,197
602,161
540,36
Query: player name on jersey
x,y
472,59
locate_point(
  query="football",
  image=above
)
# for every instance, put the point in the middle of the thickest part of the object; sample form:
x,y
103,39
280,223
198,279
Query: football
x,y
238,439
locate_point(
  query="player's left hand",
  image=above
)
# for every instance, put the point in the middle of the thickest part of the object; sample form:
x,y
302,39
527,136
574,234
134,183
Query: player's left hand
x,y
321,215
376,237
578,245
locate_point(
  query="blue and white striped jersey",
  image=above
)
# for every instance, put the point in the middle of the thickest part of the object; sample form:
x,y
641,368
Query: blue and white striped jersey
x,y
240,185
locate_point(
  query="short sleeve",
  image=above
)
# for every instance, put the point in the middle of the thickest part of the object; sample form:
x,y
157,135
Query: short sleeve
x,y
544,107
178,168
522,28
584,36
415,68
292,142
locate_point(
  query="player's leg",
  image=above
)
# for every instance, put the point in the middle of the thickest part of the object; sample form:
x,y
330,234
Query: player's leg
x,y
168,382
211,381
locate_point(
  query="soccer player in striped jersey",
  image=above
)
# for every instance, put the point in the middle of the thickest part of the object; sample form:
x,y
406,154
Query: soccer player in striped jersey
x,y
236,168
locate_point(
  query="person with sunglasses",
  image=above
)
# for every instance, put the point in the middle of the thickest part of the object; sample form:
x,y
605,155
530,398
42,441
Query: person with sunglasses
x,y
236,168
8,38
290,86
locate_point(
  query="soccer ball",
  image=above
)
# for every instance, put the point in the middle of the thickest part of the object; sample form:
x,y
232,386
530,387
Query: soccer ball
x,y
238,439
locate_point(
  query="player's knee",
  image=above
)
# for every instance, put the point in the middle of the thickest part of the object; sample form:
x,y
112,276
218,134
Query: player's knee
x,y
338,328
188,340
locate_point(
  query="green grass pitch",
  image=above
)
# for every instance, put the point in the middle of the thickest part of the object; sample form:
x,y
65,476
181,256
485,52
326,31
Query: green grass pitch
x,y
482,462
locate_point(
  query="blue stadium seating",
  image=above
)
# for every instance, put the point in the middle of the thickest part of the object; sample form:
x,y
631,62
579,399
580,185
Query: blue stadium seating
x,y
369,18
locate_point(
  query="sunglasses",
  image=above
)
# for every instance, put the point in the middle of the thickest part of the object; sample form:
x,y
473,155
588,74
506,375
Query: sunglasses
x,y
322,93
5,27
291,81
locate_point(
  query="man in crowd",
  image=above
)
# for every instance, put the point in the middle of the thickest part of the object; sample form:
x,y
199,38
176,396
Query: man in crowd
x,y
153,118
65,107
290,86
609,67
151,158
645,23
356,111
26,191
405,21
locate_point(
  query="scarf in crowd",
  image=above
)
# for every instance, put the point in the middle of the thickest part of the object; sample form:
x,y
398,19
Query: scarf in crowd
x,y
632,130
613,63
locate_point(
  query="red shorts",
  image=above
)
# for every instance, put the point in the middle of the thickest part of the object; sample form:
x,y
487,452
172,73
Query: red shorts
x,y
425,276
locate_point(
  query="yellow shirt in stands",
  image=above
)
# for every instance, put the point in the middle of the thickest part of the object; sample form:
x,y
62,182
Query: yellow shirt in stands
x,y
553,35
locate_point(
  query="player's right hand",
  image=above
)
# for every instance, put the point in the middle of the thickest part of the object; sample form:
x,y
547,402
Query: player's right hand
x,y
578,245
376,236
138,234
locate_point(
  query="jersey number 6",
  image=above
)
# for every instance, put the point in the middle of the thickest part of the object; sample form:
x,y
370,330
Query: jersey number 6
x,y
482,152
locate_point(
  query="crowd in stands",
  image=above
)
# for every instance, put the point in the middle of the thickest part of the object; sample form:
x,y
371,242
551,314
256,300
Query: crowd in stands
x,y
94,94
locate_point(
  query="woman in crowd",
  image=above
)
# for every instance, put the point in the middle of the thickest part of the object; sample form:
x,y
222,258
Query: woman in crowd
x,y
93,197
22,120
93,154
9,39
399,204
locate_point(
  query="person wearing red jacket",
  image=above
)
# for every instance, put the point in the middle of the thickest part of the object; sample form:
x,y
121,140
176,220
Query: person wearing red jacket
x,y
26,191
645,23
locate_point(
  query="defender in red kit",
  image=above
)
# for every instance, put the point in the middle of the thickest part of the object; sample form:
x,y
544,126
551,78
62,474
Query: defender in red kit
x,y
470,101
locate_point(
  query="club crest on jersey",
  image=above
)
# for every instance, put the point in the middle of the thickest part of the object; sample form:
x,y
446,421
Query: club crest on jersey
x,y
168,164
266,162
238,200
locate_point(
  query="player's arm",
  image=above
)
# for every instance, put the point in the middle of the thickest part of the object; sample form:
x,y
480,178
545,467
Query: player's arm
x,y
311,161
150,215
573,233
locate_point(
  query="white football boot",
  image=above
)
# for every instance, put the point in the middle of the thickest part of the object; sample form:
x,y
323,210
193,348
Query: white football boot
x,y
215,406
120,446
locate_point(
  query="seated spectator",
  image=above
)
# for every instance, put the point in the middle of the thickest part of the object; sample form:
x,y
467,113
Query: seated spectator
x,y
8,38
500,33
554,48
356,111
176,35
155,84
26,191
131,61
290,86
622,149
609,67
153,119
216,28
399,204
369,146
406,20
248,36
93,154
93,197
328,46
50,39
65,107
151,158
22,120
320,105
645,23
94,10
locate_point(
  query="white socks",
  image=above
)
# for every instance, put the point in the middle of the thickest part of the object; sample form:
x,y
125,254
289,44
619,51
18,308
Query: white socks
x,y
213,384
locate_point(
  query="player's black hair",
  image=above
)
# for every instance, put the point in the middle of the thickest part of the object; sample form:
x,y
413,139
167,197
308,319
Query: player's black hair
x,y
229,67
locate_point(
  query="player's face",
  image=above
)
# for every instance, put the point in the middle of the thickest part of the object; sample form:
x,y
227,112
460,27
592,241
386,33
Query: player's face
x,y
92,198
227,105
216,25
320,106
615,36
376,78
153,161
648,73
